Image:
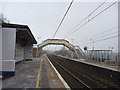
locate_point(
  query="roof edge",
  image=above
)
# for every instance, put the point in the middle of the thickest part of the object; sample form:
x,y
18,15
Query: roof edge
x,y
9,25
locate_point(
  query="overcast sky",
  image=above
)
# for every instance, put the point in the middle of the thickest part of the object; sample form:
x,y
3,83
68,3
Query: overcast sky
x,y
43,19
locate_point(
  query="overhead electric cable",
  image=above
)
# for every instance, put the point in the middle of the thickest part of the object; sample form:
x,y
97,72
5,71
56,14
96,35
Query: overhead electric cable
x,y
93,17
63,19
104,35
97,34
89,15
105,39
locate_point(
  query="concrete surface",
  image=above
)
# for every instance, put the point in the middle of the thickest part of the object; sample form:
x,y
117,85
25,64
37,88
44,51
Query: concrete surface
x,y
54,81
98,64
27,75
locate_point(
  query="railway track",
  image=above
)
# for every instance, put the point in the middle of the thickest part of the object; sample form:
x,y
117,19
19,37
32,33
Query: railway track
x,y
78,77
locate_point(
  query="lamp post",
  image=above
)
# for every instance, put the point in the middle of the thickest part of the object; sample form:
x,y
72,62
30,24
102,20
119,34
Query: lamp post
x,y
93,43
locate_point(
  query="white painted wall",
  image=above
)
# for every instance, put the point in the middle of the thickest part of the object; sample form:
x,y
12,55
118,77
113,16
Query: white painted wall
x,y
0,43
8,43
119,32
0,49
11,50
8,49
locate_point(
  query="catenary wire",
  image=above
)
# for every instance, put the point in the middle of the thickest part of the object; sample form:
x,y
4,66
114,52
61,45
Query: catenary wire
x,y
98,34
104,39
88,16
93,18
63,19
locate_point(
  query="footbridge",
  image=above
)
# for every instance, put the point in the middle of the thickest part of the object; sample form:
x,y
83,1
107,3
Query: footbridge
x,y
76,52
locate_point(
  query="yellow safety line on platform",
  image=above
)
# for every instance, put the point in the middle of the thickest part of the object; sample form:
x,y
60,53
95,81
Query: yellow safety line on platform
x,y
38,76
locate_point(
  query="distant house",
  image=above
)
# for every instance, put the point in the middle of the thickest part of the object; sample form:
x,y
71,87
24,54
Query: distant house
x,y
16,45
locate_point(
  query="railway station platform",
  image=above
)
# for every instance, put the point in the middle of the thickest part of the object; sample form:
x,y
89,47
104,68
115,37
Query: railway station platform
x,y
41,73
113,67
37,73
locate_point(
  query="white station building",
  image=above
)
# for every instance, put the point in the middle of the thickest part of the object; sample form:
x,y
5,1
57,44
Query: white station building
x,y
16,43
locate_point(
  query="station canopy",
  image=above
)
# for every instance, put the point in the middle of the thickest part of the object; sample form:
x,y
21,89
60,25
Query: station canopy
x,y
23,33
